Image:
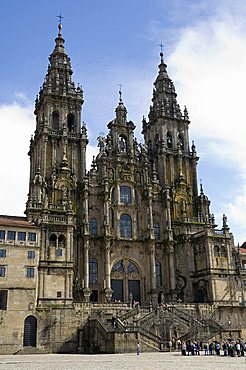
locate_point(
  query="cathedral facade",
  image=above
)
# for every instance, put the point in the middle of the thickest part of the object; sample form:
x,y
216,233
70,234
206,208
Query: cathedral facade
x,y
133,230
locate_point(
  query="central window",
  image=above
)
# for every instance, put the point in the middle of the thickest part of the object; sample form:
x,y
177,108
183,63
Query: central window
x,y
125,226
93,271
125,194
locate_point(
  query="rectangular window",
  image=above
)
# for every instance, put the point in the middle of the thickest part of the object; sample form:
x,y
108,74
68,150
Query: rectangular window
x,y
3,299
244,265
156,231
2,234
2,271
93,226
31,255
58,294
2,253
59,252
21,236
30,272
125,195
31,237
11,235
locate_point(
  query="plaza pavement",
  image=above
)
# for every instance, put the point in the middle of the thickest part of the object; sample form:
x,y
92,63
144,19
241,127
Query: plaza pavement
x,y
128,361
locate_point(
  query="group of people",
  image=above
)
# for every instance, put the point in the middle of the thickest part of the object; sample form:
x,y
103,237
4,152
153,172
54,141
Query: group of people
x,y
227,348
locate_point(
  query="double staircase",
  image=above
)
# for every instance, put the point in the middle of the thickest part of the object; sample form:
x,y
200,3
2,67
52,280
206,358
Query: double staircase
x,y
154,328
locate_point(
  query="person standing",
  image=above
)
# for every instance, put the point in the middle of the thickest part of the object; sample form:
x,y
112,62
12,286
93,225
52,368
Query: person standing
x,y
138,348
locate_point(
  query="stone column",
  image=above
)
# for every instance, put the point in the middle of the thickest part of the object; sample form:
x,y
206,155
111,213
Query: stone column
x,y
86,290
172,279
108,290
151,226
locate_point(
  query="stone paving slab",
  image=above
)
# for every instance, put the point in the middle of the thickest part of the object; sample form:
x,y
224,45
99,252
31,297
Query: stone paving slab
x,y
145,361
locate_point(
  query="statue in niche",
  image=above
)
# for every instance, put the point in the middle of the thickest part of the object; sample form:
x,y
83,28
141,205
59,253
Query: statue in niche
x,y
64,197
122,144
38,185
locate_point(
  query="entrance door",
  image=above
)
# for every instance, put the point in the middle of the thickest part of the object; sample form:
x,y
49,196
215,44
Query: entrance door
x,y
117,287
125,279
134,288
30,331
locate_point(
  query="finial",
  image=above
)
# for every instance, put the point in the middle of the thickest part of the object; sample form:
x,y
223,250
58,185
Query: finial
x,y
201,188
60,17
120,92
161,53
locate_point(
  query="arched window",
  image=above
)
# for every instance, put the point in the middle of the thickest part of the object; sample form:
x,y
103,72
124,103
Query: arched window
x,y
125,226
158,274
93,226
93,271
70,122
118,266
181,141
125,195
132,267
169,140
156,231
61,241
55,121
53,240
217,250
223,251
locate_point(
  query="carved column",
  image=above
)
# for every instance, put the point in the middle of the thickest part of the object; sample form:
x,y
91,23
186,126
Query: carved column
x,y
153,275
151,227
86,290
172,279
108,290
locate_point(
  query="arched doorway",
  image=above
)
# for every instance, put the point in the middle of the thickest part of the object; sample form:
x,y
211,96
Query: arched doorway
x,y
126,281
30,331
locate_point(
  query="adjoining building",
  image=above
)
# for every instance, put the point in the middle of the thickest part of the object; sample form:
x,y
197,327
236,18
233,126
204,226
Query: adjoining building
x,y
126,251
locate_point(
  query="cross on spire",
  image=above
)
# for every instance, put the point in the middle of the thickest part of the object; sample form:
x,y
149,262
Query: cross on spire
x,y
161,46
60,18
120,91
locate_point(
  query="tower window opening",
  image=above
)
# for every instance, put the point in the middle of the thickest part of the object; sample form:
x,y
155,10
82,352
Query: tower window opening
x,y
61,241
55,121
181,141
169,140
70,122
52,240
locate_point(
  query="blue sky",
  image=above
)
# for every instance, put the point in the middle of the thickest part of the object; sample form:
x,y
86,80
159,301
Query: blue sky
x,y
112,42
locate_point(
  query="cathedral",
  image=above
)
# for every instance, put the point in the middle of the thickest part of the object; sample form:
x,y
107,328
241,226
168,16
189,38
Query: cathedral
x,y
125,251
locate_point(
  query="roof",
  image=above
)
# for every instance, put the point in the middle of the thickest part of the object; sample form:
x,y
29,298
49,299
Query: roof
x,y
15,221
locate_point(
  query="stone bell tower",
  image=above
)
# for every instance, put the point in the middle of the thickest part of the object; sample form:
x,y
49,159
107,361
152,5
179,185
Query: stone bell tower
x,y
57,166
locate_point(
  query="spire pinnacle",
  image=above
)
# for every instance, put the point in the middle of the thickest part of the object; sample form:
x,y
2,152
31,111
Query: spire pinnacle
x,y
201,188
120,93
59,24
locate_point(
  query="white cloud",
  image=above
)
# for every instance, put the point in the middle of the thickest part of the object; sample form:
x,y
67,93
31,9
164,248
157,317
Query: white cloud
x,y
16,126
208,64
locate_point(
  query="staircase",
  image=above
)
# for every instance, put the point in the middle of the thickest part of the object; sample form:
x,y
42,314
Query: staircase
x,y
152,327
